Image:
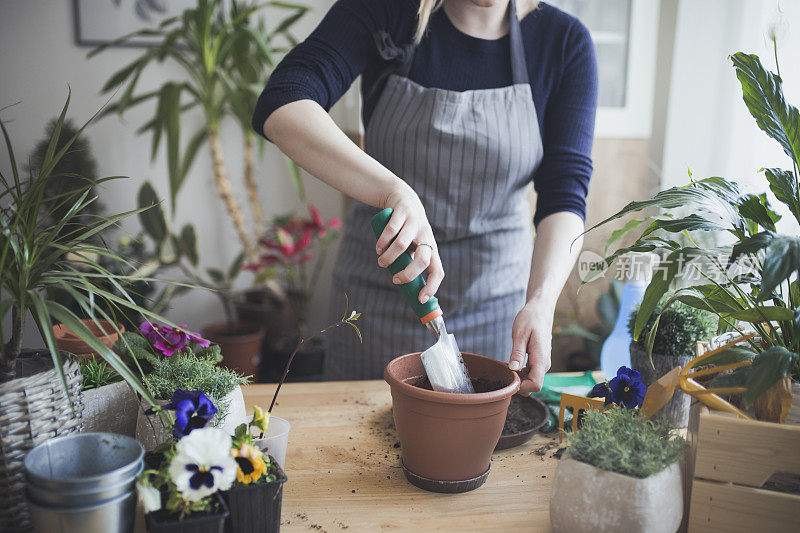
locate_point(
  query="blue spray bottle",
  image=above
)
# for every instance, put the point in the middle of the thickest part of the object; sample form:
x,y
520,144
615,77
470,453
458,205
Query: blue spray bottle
x,y
616,348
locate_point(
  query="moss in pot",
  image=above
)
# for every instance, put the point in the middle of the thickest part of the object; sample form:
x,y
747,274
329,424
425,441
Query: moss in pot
x,y
621,473
680,327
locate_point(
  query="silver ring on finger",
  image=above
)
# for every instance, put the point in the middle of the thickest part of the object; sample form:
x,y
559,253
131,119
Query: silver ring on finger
x,y
424,244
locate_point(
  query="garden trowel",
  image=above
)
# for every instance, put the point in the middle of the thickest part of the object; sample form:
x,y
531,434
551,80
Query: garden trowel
x,y
442,361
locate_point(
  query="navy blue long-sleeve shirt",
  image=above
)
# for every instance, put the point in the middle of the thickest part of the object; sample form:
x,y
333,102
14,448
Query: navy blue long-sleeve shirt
x,y
561,67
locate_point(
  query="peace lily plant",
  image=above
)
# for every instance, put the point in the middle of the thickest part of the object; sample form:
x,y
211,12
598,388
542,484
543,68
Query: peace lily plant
x,y
751,284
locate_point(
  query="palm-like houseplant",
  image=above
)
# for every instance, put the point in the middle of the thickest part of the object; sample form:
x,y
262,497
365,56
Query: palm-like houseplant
x,y
39,255
224,56
752,282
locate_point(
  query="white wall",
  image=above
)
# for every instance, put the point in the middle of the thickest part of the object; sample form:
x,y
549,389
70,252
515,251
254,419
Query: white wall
x,y
39,60
708,127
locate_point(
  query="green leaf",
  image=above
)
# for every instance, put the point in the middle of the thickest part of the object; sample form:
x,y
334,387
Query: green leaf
x,y
756,209
188,243
737,378
764,98
152,218
751,245
168,251
781,260
783,185
762,314
688,223
710,195
734,354
172,126
236,266
216,275
212,353
190,154
768,368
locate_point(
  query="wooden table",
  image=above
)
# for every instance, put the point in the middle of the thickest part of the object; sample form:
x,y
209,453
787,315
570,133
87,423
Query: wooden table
x,y
343,465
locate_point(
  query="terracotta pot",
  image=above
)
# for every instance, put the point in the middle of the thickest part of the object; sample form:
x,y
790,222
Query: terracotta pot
x,y
240,343
585,499
67,340
448,437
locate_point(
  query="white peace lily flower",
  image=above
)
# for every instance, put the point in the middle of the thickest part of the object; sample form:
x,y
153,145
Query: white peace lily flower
x,y
149,497
778,27
352,315
203,464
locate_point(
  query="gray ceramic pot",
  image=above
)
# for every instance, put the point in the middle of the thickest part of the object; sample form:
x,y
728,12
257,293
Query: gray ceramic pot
x,y
112,408
677,409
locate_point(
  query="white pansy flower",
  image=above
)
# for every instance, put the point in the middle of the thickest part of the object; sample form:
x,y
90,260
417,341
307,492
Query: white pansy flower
x,y
149,497
203,464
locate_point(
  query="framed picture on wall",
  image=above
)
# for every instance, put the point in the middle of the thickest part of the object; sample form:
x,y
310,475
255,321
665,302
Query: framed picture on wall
x,y
102,21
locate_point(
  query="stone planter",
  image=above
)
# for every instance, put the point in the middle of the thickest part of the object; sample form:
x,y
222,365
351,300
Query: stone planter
x,y
152,430
110,409
586,499
677,409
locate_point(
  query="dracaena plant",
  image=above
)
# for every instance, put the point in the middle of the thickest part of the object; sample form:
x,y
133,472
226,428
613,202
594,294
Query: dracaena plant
x,y
751,284
38,257
225,57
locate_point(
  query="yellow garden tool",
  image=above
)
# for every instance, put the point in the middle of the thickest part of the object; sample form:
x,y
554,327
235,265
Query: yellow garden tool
x,y
661,391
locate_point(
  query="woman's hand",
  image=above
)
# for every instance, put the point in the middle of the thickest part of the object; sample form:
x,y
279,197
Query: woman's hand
x,y
532,334
409,225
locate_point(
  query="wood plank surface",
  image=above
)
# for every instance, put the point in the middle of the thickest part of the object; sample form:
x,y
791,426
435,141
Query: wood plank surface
x,y
722,507
343,466
747,452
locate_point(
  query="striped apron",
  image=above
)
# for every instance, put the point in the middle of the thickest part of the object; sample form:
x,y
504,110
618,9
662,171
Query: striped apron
x,y
470,156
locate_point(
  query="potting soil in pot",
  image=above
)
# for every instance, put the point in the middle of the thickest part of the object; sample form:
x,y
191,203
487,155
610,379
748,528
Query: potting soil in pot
x,y
479,384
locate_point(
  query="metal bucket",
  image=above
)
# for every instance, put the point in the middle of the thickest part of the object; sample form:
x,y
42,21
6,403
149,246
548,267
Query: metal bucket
x,y
83,462
112,516
82,497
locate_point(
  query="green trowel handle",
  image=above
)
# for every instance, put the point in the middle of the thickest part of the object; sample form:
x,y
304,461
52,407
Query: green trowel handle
x,y
411,289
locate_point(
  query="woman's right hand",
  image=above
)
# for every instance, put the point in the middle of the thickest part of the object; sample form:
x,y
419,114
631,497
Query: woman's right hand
x,y
409,225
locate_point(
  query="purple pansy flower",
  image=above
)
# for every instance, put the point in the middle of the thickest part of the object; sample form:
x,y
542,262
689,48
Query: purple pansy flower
x,y
169,340
192,409
626,389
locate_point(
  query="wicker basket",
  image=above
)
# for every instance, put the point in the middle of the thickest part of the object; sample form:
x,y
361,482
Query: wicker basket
x,y
33,408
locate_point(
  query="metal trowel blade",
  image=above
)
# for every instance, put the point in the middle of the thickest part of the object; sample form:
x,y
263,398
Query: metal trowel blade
x,y
445,366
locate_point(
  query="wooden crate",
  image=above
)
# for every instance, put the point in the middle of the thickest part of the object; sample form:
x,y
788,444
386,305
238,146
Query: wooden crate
x,y
730,460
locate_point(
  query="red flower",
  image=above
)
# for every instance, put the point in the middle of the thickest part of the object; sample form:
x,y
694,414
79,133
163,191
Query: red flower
x,y
317,225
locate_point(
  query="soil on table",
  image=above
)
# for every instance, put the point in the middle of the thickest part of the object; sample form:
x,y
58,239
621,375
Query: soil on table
x,y
518,419
479,384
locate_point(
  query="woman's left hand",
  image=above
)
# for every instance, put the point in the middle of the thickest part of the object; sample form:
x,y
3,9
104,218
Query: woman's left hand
x,y
532,334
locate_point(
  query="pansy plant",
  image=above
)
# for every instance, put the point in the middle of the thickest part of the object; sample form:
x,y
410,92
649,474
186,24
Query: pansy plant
x,y
626,389
253,464
195,467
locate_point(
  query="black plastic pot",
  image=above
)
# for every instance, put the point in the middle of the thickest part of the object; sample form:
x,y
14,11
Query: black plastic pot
x,y
256,508
165,522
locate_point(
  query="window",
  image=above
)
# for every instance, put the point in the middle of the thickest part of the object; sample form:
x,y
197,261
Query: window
x,y
624,34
